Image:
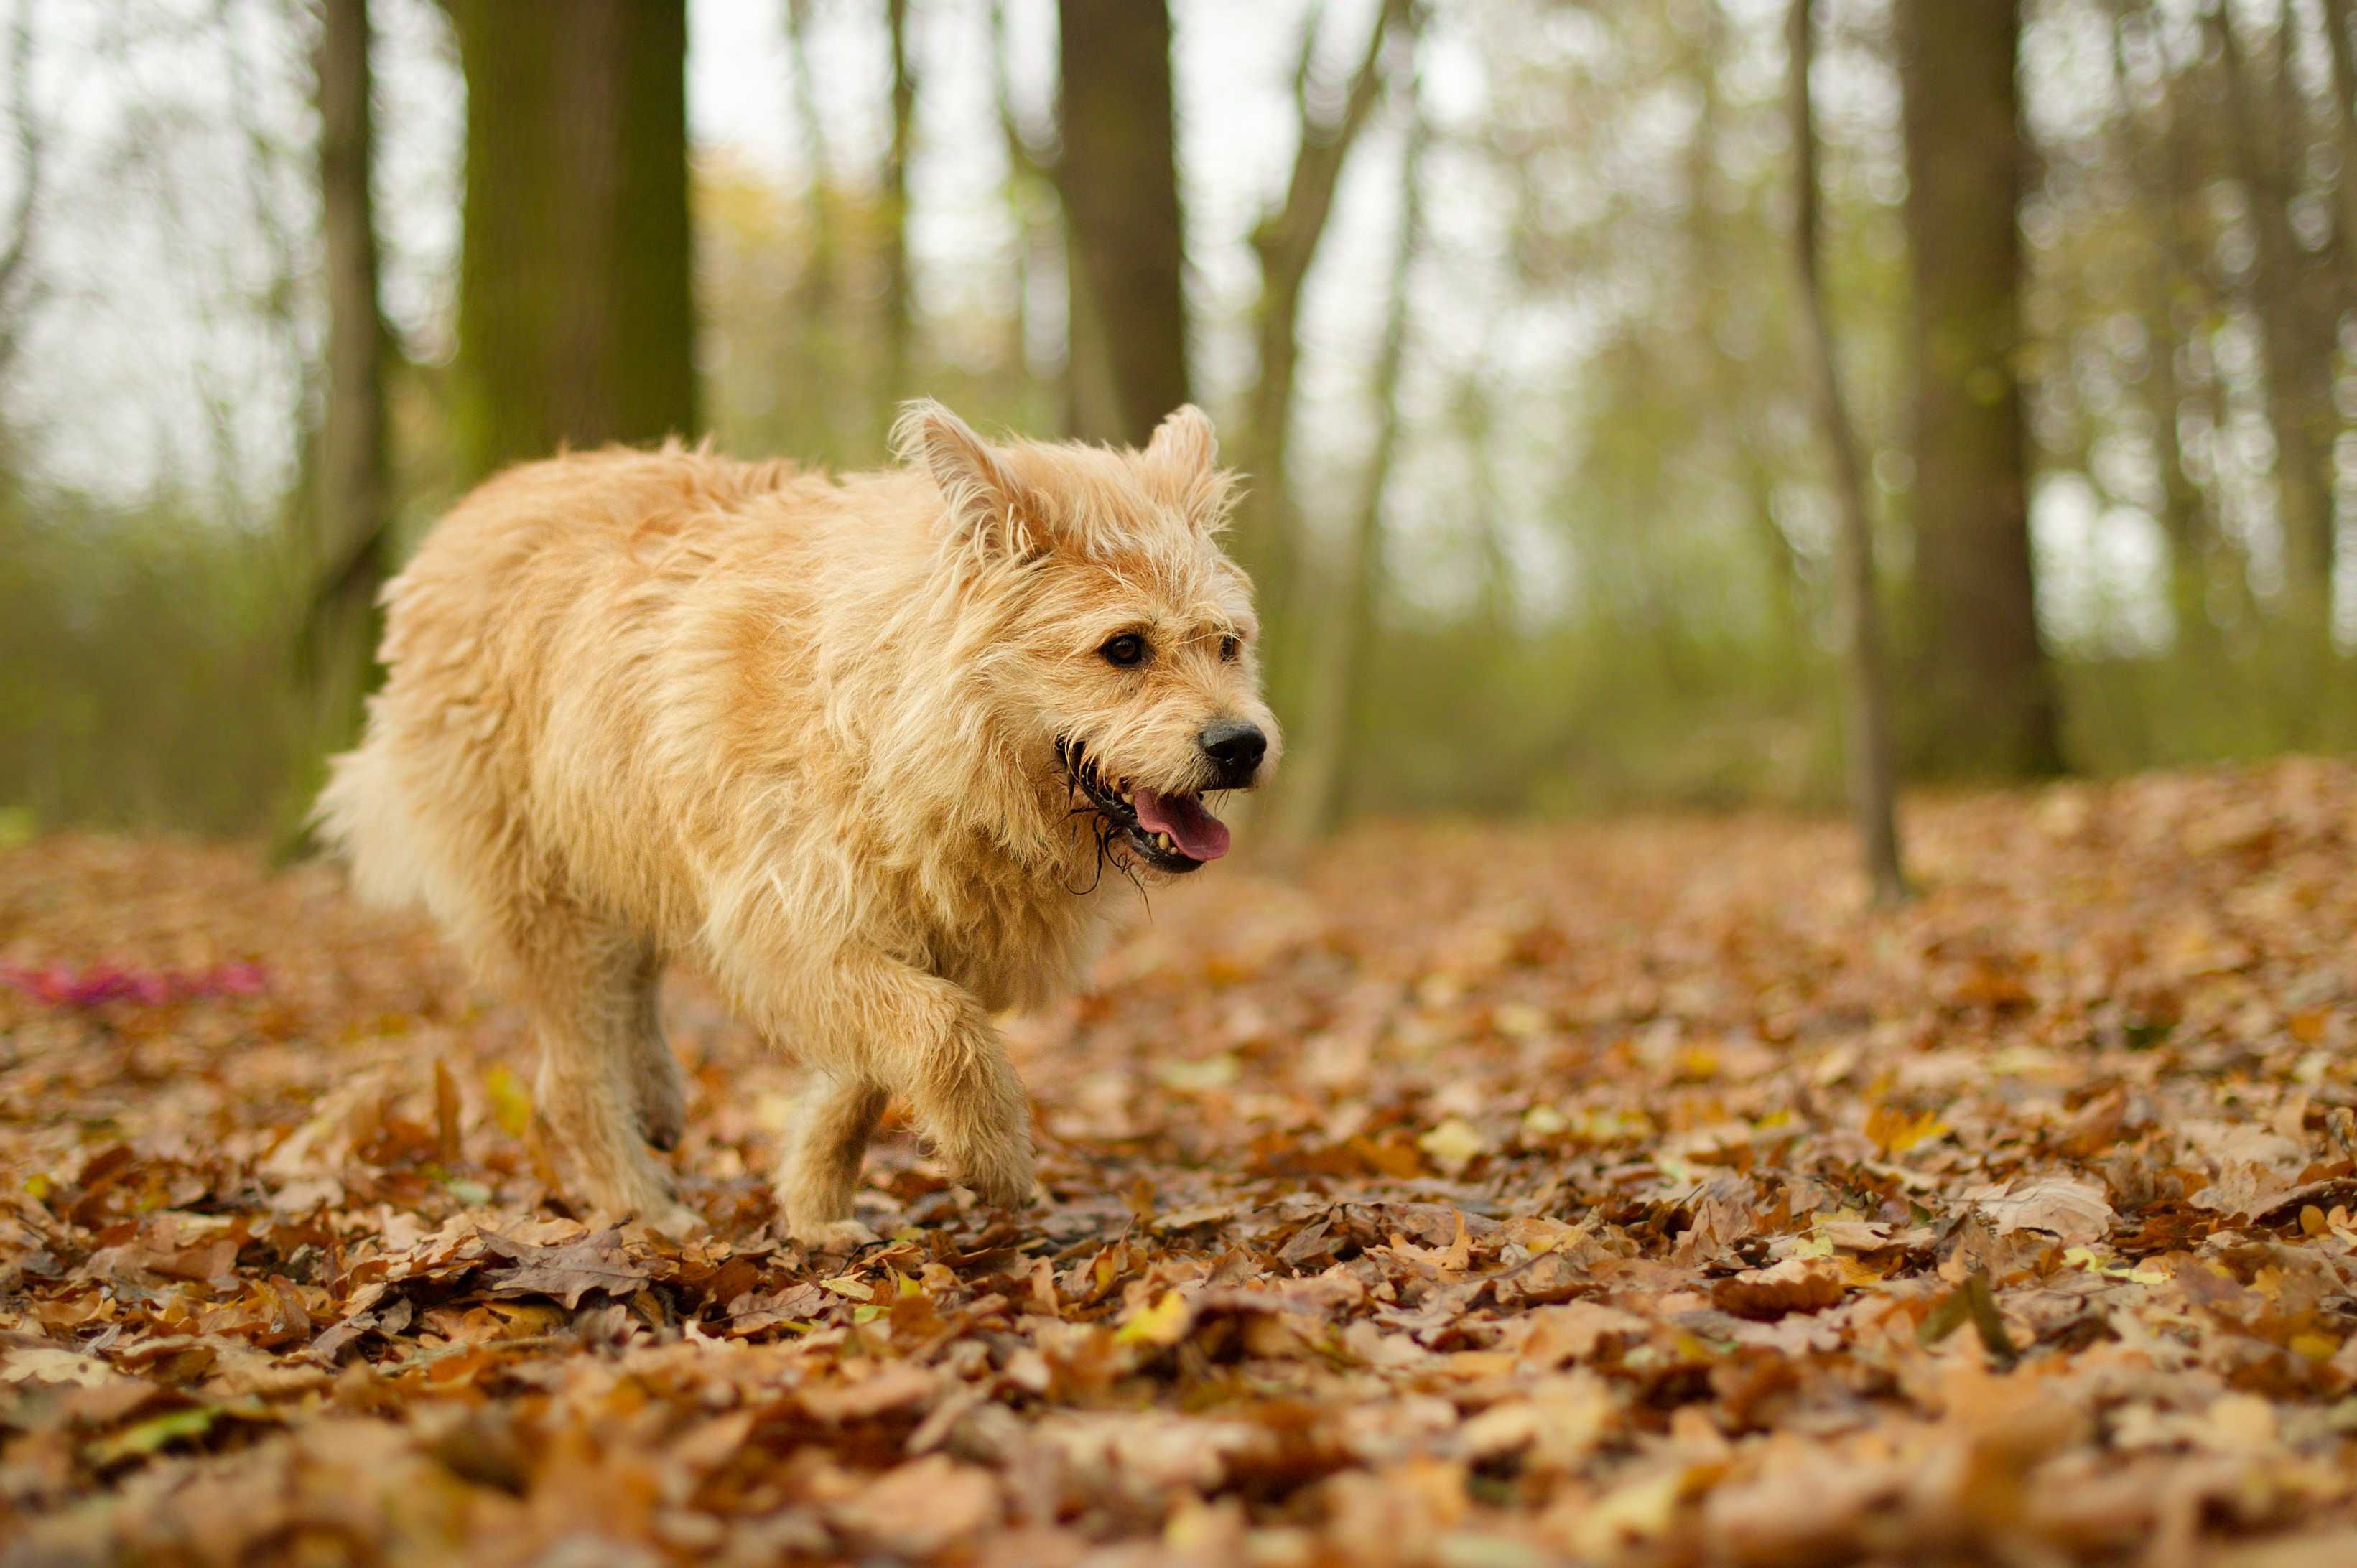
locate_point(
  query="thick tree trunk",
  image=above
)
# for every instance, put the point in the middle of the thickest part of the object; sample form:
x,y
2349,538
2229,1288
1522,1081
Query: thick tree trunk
x,y
1989,704
1126,237
575,322
1873,775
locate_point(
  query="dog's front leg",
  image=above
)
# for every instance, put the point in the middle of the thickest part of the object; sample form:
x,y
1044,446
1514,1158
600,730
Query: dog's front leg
x,y
866,1018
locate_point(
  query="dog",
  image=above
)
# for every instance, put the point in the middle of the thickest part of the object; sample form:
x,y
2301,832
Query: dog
x,y
861,748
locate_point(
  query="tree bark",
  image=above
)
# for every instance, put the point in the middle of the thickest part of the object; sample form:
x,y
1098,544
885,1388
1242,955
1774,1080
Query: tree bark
x,y
1873,773
1311,788
1126,236
1287,244
818,416
353,505
2156,150
1988,691
2298,368
576,320
2344,129
899,301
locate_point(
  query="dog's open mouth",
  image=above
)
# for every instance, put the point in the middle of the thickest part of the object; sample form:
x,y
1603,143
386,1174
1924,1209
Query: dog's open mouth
x,y
1172,833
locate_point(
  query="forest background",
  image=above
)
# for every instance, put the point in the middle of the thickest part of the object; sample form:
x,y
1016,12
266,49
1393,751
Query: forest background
x,y
1498,303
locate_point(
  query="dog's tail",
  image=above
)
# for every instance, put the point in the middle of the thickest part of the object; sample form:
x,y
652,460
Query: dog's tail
x,y
360,819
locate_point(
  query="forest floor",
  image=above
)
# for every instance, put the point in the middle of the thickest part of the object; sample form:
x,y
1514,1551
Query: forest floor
x,y
1475,1196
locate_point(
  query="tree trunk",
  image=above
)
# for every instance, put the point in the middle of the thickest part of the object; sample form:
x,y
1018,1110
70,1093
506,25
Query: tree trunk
x,y
2298,370
1311,787
1127,246
2344,128
900,302
816,425
1873,775
576,321
1286,243
2153,149
1989,695
353,506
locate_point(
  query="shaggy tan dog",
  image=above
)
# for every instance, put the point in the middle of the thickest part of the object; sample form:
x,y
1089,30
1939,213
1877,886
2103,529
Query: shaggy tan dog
x,y
858,748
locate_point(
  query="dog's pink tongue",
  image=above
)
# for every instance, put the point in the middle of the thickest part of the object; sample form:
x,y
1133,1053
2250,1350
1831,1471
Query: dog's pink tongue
x,y
1199,834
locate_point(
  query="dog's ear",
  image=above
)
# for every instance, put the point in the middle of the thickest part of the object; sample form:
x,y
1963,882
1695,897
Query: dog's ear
x,y
1183,442
988,507
1185,454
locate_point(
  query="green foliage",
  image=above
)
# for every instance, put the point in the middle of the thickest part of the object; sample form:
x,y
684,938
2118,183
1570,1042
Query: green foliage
x,y
143,668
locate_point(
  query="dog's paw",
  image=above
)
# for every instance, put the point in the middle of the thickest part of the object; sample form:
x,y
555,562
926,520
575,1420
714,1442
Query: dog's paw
x,y
1003,1180
833,1235
662,1114
676,1220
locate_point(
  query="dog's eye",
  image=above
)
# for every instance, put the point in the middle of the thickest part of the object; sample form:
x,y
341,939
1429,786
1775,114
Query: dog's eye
x,y
1230,649
1127,649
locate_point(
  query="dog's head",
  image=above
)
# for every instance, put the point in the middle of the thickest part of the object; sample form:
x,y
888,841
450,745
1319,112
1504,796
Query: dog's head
x,y
1123,671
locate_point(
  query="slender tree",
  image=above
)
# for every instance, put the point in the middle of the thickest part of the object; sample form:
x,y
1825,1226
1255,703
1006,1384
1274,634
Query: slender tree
x,y
576,323
900,290
1988,688
1285,244
25,147
1311,788
2343,53
2298,367
1119,177
1873,774
353,508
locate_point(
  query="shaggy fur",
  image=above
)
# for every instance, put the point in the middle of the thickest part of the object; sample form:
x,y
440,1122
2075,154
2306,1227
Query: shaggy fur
x,y
855,747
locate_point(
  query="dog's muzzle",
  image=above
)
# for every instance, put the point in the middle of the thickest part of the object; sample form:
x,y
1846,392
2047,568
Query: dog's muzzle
x,y
1169,831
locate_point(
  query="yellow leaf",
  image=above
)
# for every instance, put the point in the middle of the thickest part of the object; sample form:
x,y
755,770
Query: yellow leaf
x,y
1894,1132
511,1100
846,1285
1637,1511
1210,1072
1452,1146
1164,1323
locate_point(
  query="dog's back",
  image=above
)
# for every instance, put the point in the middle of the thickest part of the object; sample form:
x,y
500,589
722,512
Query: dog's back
x,y
548,599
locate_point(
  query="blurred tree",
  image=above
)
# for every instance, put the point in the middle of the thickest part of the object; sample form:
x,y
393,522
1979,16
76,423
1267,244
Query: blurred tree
x,y
353,511
2343,55
1285,244
1042,248
900,304
2298,368
1309,790
27,162
814,293
575,322
1118,174
1873,777
1987,701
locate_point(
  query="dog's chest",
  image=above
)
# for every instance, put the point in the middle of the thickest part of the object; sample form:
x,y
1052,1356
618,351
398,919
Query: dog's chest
x,y
1017,952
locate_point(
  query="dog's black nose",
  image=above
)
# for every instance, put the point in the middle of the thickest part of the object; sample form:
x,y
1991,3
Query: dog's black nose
x,y
1236,747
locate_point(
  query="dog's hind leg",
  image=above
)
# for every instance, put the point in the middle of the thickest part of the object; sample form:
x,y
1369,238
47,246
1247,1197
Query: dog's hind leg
x,y
819,1171
585,982
657,1087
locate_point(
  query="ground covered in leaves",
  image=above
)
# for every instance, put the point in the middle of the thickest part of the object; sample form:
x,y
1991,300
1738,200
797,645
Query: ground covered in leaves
x,y
1619,1192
